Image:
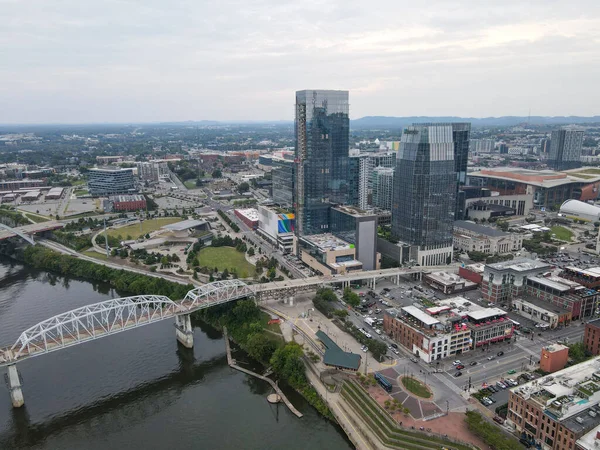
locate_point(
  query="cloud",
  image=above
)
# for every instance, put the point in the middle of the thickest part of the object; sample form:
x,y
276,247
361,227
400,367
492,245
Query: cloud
x,y
150,60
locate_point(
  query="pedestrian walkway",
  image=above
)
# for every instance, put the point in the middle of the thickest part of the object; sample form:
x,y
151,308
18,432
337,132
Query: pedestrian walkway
x,y
233,365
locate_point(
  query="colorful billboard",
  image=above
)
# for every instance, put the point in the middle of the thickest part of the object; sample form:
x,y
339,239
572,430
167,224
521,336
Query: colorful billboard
x,y
286,223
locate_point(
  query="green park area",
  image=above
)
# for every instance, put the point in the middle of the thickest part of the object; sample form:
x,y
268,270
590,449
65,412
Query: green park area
x,y
226,258
562,233
147,226
416,387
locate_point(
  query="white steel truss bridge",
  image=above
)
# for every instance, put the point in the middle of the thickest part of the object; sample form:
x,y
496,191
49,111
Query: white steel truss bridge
x,y
115,316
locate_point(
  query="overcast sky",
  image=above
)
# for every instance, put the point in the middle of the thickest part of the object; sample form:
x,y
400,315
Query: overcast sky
x,y
170,60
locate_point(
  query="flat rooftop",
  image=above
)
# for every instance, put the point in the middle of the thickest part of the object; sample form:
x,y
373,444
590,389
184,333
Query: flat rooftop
x,y
590,271
519,265
184,225
552,283
420,315
540,178
576,388
479,229
327,241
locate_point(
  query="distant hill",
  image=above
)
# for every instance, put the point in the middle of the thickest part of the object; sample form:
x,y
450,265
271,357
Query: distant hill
x,y
400,122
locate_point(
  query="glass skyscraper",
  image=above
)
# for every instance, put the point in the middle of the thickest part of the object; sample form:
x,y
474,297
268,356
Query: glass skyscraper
x,y
565,149
424,195
322,161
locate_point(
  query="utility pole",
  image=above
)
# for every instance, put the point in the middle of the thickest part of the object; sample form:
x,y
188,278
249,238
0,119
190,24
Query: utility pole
x,y
106,239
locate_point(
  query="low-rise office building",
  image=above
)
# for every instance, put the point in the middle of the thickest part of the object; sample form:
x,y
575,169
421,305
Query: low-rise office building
x,y
589,277
558,411
448,283
505,280
469,236
542,312
249,216
328,254
127,202
104,182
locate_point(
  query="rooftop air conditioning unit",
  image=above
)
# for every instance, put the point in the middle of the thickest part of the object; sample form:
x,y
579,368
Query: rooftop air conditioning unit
x,y
579,420
592,413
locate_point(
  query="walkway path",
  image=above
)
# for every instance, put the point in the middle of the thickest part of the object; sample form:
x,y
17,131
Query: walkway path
x,y
233,365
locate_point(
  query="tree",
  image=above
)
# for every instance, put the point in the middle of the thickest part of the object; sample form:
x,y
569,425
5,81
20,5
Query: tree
x,y
351,297
251,251
217,173
327,294
243,187
503,225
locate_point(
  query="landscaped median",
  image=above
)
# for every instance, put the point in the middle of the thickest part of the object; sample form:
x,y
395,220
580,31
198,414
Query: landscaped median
x,y
386,429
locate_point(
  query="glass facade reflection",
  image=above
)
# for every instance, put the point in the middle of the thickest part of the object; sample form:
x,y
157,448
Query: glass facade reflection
x,y
322,162
283,182
425,187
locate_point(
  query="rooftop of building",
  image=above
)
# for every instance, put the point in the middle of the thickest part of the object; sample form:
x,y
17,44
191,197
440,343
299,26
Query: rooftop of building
x,y
519,265
184,225
465,307
540,178
249,213
550,308
335,356
354,211
127,198
491,206
554,283
448,278
568,395
111,169
479,229
327,241
475,267
553,348
593,272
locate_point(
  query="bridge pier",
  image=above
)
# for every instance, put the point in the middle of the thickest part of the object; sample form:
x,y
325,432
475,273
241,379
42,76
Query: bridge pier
x,y
183,330
14,382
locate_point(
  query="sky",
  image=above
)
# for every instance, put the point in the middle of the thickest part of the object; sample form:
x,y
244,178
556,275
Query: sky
x,y
83,61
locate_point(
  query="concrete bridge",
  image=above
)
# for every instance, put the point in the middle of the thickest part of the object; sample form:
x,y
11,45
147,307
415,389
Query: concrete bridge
x,y
26,231
114,316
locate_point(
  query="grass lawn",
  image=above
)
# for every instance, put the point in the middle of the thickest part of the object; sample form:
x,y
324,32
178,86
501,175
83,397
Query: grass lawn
x,y
190,184
147,227
562,233
94,254
79,192
226,258
416,387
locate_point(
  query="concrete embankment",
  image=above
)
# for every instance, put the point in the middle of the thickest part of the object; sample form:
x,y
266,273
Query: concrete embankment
x,y
233,365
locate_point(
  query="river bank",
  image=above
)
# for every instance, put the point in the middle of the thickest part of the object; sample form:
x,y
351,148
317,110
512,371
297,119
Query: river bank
x,y
138,387
246,323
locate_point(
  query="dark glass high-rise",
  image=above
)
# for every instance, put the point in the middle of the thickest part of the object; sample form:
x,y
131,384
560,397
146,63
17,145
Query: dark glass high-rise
x,y
322,162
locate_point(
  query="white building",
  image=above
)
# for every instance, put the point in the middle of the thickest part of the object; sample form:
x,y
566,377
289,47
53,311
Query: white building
x,y
152,170
382,181
581,210
277,226
469,236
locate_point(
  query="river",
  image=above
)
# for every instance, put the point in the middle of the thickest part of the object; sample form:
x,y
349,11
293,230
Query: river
x,y
138,389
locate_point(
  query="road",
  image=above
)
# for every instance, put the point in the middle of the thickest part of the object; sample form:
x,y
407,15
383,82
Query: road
x,y
250,235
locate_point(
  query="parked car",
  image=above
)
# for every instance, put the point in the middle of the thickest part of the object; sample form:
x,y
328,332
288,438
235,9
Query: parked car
x,y
415,360
491,357
457,374
364,348
499,420
499,353
396,352
460,366
456,363
511,371
395,345
473,363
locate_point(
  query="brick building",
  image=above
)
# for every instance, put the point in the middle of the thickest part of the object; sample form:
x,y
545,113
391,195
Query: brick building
x,y
591,337
554,358
503,280
558,412
128,202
